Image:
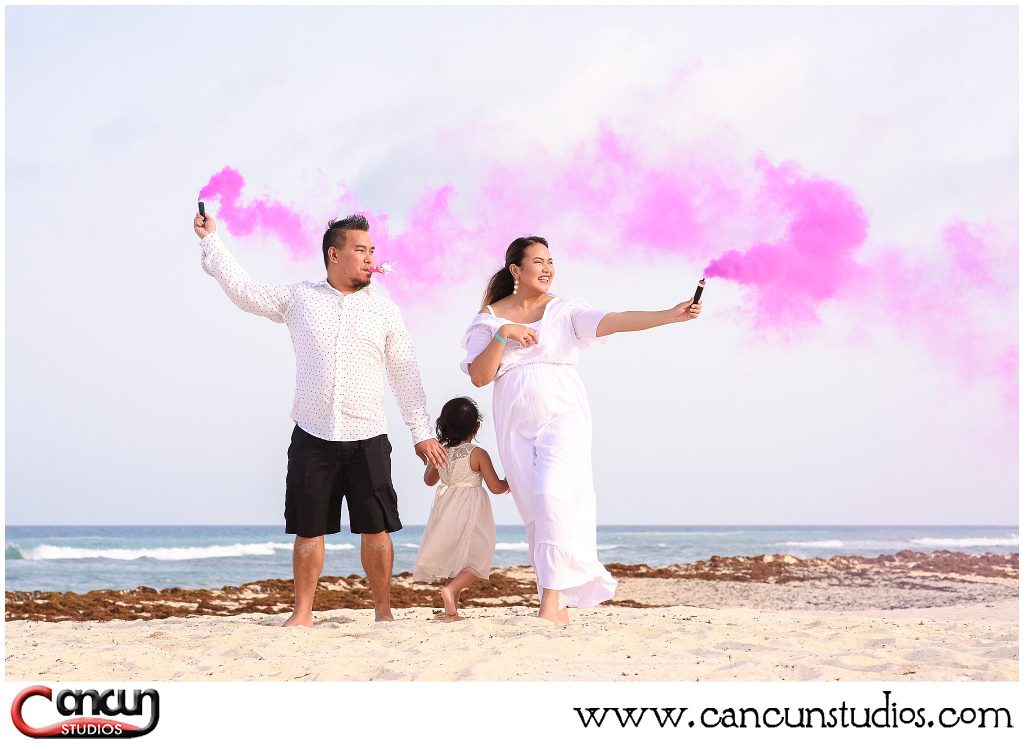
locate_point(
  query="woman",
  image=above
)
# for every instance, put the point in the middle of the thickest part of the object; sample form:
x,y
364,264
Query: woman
x,y
528,341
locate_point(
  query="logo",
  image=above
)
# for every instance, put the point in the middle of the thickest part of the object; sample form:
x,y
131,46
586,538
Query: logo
x,y
73,703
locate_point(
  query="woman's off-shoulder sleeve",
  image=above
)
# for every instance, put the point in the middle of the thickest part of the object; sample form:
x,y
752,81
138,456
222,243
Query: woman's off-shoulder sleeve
x,y
477,336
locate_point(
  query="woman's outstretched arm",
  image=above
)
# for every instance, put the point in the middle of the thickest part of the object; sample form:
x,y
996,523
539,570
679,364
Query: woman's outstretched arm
x,y
641,320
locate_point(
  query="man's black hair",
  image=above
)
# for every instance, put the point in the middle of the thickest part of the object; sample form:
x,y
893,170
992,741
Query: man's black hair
x,y
336,229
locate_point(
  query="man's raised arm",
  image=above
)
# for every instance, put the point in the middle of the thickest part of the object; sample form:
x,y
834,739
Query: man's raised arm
x,y
260,298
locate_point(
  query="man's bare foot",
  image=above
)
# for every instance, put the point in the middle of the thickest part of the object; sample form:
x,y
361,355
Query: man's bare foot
x,y
383,616
451,601
304,620
563,615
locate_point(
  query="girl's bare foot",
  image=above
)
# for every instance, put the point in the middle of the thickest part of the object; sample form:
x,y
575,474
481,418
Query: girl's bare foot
x,y
444,617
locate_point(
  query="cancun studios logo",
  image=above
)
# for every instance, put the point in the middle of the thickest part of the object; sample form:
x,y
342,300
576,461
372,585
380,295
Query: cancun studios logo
x,y
105,703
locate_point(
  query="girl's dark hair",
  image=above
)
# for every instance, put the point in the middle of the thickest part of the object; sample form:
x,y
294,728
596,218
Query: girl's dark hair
x,y
501,283
458,421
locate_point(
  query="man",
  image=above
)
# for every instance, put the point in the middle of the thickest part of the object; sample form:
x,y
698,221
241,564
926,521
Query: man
x,y
344,334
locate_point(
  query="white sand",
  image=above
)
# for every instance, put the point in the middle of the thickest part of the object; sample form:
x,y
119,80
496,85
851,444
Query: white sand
x,y
958,642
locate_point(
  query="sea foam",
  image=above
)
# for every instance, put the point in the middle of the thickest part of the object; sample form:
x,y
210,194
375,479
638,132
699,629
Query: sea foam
x,y
813,544
965,542
59,552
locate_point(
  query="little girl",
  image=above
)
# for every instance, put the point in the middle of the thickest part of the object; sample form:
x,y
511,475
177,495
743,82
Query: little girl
x,y
458,541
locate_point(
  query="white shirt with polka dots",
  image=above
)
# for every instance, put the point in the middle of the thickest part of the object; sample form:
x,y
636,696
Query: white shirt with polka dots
x,y
343,343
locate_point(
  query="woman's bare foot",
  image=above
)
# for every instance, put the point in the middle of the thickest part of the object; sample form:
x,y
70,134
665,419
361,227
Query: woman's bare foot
x,y
552,617
451,601
549,609
383,616
304,620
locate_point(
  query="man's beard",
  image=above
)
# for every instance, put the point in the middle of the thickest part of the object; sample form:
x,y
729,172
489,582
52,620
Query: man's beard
x,y
361,283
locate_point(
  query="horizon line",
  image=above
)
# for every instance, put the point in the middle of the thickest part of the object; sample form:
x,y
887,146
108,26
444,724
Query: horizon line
x,y
631,524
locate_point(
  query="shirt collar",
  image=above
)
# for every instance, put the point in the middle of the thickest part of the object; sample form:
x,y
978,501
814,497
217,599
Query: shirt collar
x,y
365,291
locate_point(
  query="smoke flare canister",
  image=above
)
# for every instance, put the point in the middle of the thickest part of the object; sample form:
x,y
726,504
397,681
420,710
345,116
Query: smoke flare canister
x,y
202,210
700,290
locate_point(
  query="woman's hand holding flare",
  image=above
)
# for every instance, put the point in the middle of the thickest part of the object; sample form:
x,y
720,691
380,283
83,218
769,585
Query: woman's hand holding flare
x,y
687,310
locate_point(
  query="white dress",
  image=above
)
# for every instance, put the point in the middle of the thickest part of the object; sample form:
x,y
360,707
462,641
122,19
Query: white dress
x,y
543,426
460,529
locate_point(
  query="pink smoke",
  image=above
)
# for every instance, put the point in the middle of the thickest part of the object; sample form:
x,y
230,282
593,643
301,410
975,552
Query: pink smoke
x,y
259,215
952,306
813,261
423,249
796,241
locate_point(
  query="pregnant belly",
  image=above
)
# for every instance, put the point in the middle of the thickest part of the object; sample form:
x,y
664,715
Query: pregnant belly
x,y
536,394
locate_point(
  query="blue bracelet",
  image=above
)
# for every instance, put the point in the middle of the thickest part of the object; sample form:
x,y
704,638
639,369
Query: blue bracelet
x,y
503,340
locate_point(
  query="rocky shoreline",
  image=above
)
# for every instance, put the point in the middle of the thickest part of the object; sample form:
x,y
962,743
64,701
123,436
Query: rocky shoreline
x,y
905,579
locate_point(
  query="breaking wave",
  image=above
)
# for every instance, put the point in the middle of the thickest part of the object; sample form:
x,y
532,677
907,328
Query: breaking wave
x,y
59,552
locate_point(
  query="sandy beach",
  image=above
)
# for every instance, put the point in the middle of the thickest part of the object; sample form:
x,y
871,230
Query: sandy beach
x,y
934,616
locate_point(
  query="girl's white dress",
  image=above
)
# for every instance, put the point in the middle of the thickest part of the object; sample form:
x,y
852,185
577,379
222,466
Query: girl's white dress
x,y
460,529
543,426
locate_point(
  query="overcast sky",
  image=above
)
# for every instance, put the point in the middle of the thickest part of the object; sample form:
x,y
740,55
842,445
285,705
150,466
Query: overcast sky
x,y
137,393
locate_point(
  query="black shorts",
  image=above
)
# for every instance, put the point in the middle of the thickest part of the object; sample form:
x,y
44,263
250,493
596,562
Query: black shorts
x,y
321,473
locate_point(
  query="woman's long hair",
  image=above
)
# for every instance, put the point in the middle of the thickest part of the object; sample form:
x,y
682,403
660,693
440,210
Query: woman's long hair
x,y
500,285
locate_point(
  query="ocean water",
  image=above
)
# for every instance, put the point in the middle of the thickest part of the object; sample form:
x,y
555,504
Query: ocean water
x,y
51,558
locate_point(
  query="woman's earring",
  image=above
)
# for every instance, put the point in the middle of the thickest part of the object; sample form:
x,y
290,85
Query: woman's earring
x,y
515,287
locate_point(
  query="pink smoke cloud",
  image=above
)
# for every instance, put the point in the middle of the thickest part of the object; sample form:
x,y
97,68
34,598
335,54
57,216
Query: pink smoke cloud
x,y
424,245
427,236
259,215
795,240
952,304
813,261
